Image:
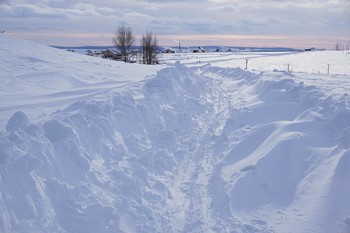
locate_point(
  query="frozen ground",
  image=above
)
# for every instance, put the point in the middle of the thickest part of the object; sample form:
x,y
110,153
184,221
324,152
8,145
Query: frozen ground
x,y
89,145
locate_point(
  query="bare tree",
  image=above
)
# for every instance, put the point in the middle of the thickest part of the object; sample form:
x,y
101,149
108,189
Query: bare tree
x,y
149,44
124,40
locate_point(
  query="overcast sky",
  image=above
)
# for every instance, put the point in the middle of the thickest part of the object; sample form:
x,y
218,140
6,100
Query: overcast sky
x,y
298,23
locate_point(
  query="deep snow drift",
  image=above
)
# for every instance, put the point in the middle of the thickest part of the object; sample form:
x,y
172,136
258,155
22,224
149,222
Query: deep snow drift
x,y
183,149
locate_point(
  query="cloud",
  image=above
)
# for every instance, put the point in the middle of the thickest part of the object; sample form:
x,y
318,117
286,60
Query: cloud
x,y
191,26
346,7
183,17
54,9
27,10
167,1
274,4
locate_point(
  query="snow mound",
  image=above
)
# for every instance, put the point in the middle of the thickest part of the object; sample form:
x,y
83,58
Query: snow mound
x,y
19,120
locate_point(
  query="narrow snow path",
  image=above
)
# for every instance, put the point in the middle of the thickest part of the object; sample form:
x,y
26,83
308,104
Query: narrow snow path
x,y
198,172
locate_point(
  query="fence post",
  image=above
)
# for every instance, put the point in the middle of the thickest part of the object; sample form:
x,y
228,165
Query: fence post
x,y
328,68
246,63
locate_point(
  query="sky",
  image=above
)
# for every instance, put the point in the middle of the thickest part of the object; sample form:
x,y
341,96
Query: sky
x,y
276,23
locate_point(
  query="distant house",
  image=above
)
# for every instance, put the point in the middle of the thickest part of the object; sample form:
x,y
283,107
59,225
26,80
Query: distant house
x,y
111,54
91,52
94,53
310,49
135,56
199,50
168,51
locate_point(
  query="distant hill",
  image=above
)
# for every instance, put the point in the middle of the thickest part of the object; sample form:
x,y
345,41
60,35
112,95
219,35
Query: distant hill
x,y
83,47
209,48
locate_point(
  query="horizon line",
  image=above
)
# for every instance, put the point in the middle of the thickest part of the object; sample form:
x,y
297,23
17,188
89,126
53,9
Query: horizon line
x,y
174,46
261,41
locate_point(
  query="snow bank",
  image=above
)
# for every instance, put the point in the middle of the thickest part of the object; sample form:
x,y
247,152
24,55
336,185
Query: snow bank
x,y
38,79
202,149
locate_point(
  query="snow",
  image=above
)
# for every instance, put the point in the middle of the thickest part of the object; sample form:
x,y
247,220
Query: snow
x,y
91,145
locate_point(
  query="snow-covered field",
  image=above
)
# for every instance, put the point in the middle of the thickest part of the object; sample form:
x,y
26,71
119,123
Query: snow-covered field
x,y
196,144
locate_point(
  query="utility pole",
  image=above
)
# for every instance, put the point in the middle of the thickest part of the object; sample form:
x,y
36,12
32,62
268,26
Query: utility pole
x,y
179,44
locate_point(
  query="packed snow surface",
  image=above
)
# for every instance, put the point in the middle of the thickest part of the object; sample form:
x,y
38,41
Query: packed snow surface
x,y
89,145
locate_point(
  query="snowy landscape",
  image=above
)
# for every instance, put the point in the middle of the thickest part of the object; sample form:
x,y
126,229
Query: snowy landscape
x,y
240,142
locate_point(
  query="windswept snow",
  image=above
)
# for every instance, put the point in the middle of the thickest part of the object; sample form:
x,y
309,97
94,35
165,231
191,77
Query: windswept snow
x,y
35,77
89,145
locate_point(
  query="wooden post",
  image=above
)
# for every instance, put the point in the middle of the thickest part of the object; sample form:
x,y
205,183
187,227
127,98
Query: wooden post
x,y
328,68
246,63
